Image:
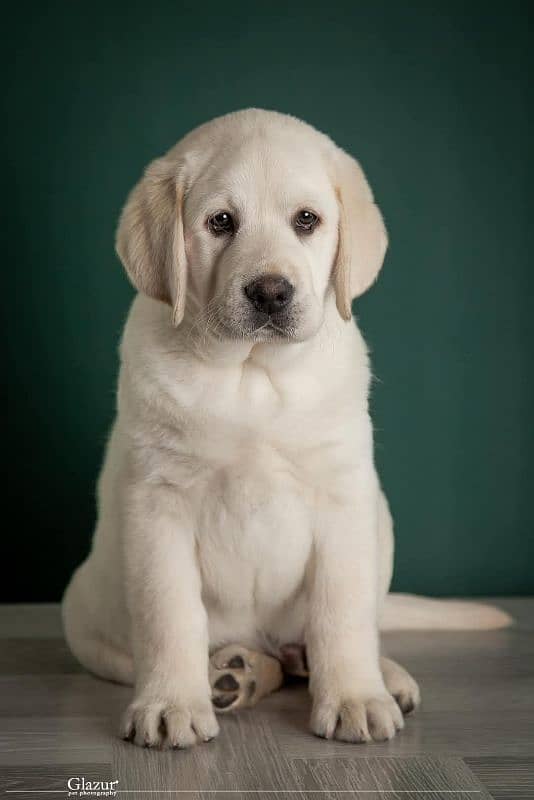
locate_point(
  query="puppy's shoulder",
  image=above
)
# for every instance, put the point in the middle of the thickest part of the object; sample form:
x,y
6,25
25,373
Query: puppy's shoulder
x,y
155,375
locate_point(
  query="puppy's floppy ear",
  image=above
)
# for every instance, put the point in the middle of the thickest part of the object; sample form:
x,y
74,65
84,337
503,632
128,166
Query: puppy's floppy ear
x,y
150,237
362,240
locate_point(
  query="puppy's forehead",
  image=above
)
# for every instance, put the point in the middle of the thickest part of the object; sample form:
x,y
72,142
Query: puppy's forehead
x,y
267,165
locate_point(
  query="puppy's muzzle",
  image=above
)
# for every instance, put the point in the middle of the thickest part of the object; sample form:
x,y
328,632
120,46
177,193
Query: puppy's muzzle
x,y
270,293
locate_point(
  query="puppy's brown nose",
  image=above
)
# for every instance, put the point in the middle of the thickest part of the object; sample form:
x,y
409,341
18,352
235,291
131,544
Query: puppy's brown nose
x,y
270,293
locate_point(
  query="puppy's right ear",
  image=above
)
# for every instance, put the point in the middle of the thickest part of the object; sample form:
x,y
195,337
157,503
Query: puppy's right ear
x,y
150,237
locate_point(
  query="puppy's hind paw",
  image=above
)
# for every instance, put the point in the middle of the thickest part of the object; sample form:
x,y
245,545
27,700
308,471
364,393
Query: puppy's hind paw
x,y
240,677
400,685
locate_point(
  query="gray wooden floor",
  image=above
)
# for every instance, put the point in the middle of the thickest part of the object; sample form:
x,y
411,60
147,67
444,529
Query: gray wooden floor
x,y
473,736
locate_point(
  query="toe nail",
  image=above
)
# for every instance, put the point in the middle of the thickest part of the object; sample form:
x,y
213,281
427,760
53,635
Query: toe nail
x,y
129,735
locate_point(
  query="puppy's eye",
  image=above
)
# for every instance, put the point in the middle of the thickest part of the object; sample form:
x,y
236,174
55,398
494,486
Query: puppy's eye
x,y
221,223
305,221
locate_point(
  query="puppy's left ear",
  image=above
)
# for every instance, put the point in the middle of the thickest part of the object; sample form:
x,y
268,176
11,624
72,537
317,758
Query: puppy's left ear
x,y
363,240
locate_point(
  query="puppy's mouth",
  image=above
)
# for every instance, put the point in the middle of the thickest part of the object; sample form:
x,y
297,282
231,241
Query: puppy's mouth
x,y
261,328
274,329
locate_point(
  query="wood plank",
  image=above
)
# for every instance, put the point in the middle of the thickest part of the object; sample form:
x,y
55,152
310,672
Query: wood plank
x,y
506,778
28,620
410,778
28,782
233,766
56,695
55,740
37,656
245,756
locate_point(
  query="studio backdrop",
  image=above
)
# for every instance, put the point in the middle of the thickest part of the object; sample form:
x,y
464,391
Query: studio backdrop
x,y
432,99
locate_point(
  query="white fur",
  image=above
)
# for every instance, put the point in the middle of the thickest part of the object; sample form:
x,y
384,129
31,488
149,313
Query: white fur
x,y
239,500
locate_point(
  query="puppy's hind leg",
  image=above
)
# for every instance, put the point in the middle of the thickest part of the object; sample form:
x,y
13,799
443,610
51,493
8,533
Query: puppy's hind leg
x,y
400,685
240,677
398,681
104,660
86,642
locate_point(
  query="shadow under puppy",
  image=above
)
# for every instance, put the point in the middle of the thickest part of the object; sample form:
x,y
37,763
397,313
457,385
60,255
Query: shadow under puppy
x,y
240,514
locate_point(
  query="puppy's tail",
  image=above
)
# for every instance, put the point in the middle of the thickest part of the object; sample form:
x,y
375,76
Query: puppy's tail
x,y
409,612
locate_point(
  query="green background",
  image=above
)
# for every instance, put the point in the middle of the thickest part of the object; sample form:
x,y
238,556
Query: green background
x,y
433,98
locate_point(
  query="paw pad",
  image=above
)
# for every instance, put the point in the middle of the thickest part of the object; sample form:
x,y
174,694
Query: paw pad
x,y
227,683
224,701
232,681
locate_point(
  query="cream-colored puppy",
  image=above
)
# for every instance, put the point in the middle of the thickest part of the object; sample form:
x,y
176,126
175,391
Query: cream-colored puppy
x,y
240,514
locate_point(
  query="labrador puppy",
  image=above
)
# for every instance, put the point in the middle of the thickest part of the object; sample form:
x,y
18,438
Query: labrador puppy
x,y
242,528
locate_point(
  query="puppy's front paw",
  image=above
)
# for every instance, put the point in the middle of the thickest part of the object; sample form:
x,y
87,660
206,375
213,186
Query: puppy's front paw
x,y
357,719
169,724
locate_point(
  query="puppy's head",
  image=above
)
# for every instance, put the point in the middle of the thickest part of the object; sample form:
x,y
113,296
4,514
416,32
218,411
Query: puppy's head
x,y
247,223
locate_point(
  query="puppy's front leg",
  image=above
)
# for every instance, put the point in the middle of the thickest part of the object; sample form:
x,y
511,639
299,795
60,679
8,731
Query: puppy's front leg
x,y
172,702
350,700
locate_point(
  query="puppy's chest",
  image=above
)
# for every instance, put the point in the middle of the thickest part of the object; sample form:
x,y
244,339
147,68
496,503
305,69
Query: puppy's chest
x,y
254,532
259,457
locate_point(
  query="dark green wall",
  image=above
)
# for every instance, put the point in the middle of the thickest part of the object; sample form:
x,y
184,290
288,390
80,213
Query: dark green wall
x,y
433,97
